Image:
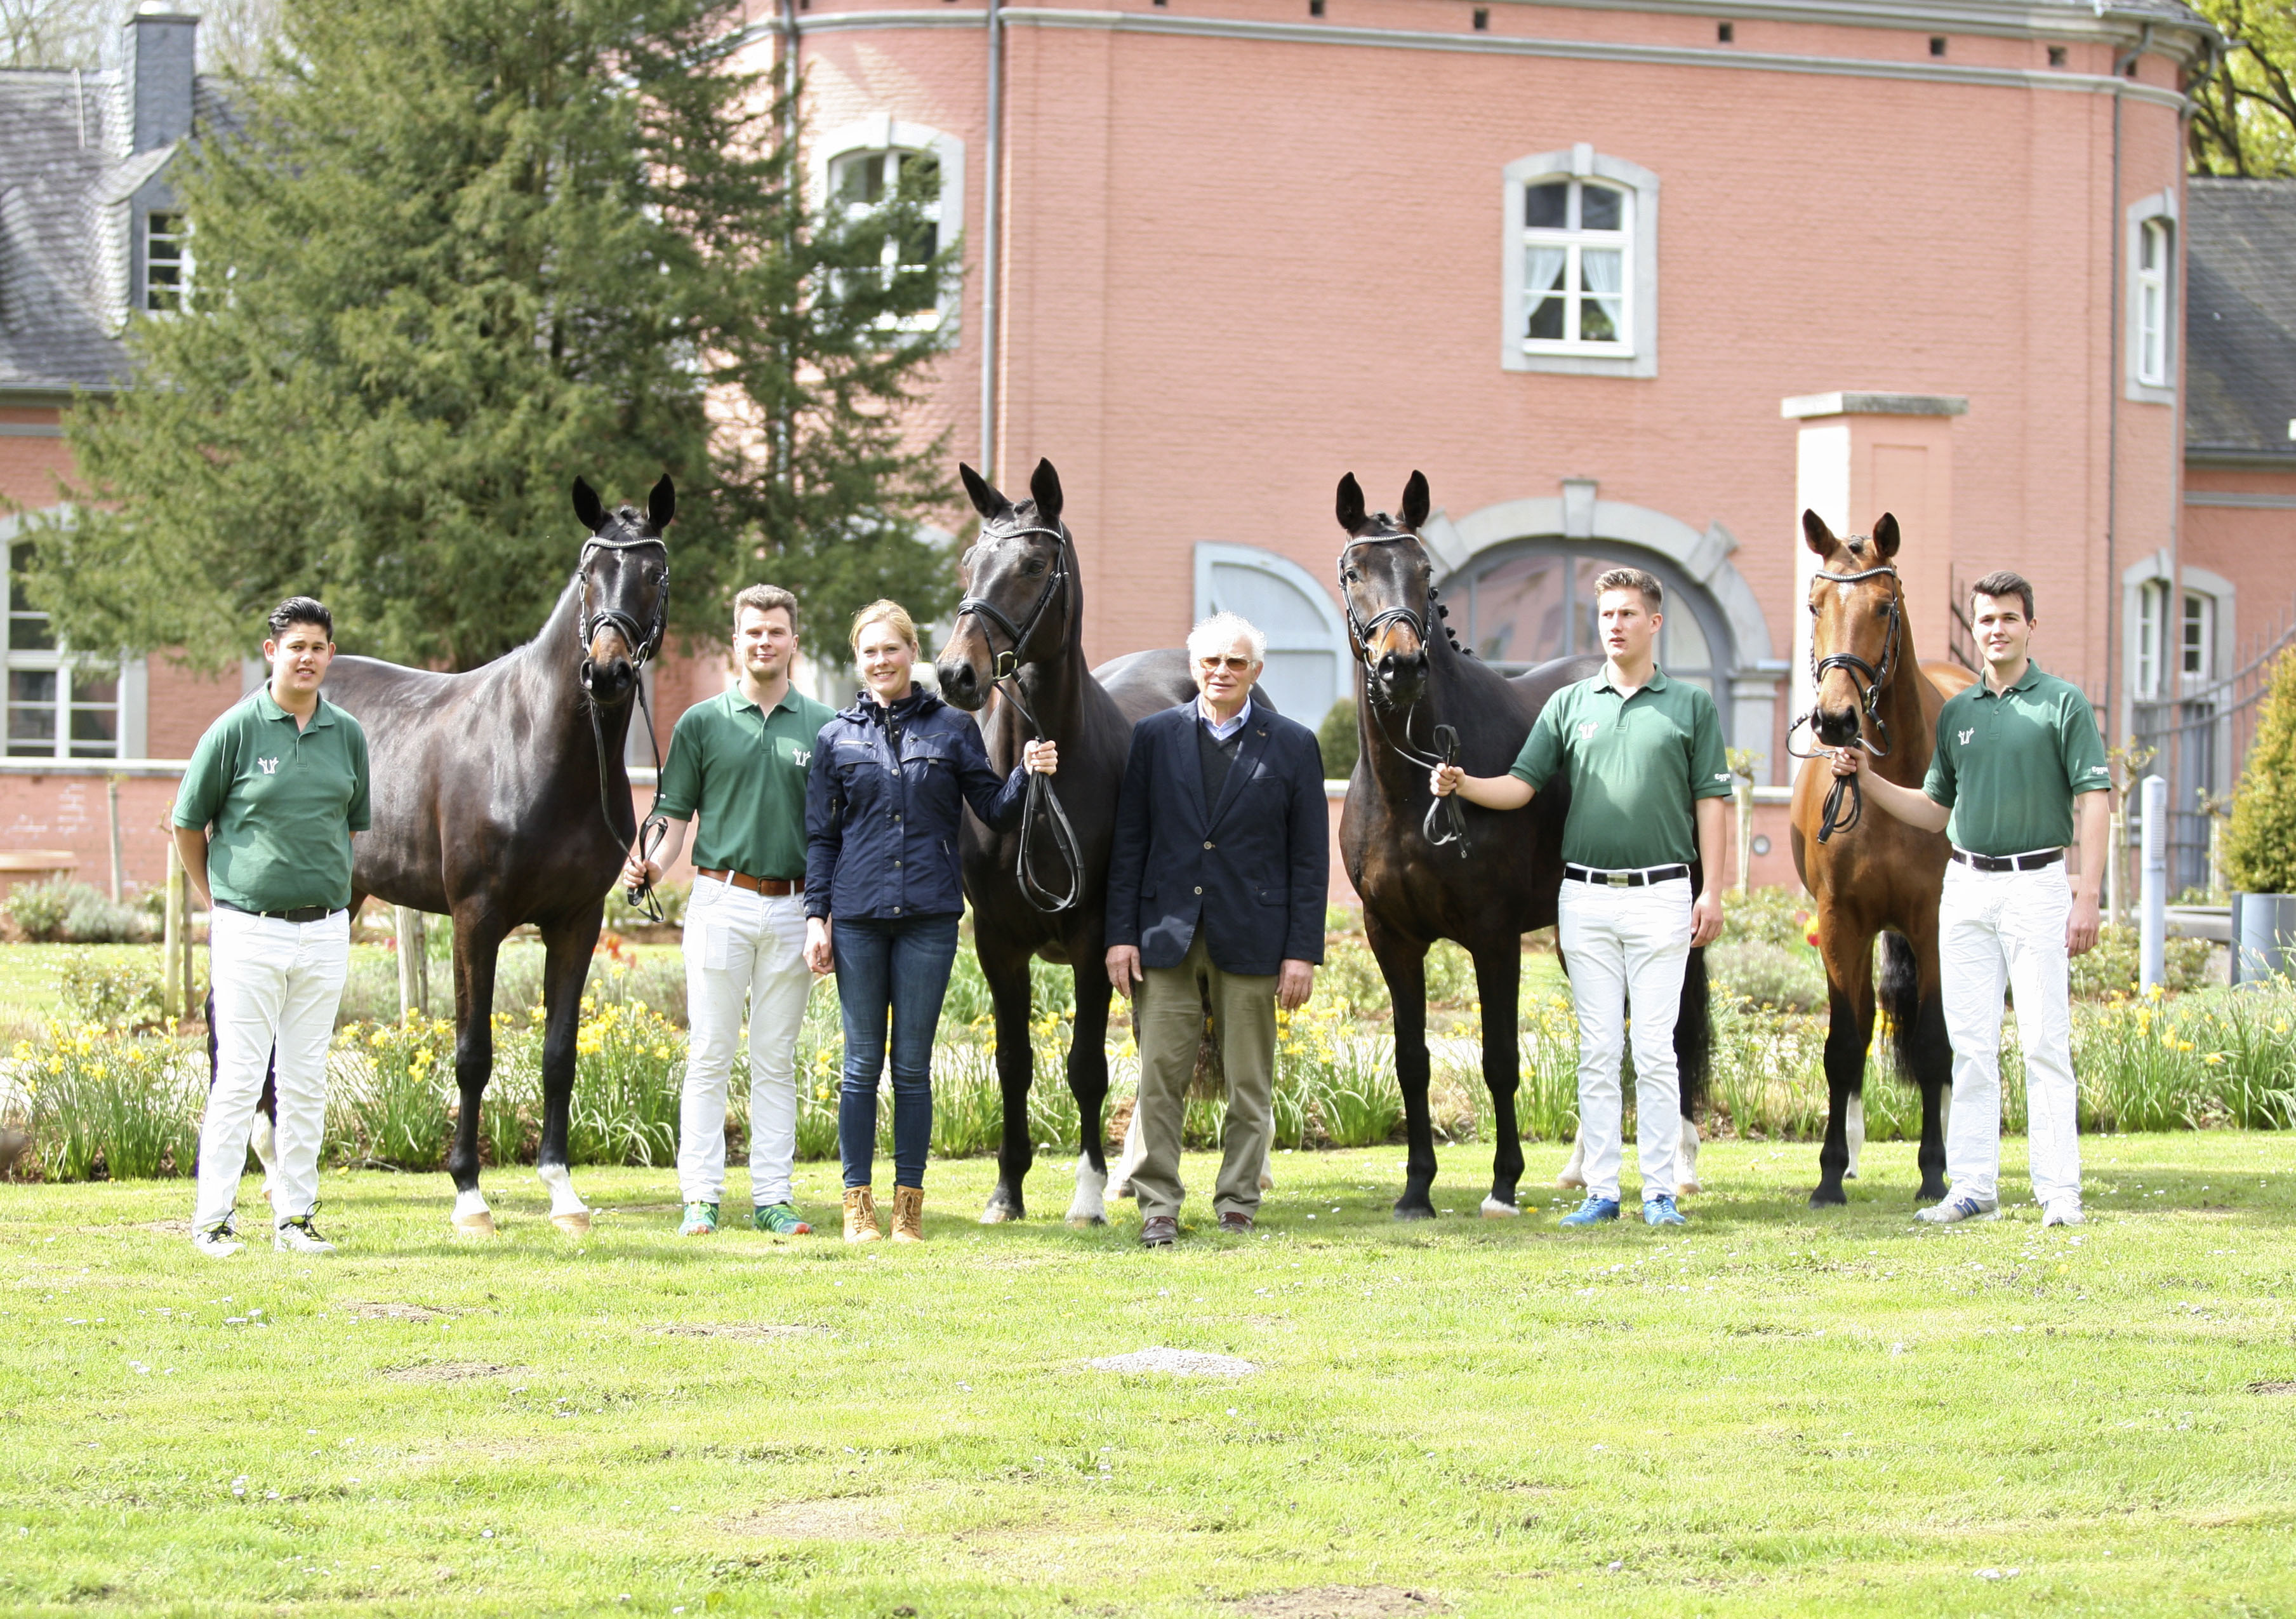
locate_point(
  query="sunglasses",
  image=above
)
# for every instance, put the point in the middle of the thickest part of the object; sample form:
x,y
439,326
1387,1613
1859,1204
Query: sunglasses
x,y
1233,664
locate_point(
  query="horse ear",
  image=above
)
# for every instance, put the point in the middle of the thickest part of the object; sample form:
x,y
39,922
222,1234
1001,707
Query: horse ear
x,y
661,504
1885,536
1416,503
983,494
587,506
1817,535
1045,489
1351,503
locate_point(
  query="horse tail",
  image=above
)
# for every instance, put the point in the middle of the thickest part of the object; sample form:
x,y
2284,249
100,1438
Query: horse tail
x,y
1917,1037
1694,1032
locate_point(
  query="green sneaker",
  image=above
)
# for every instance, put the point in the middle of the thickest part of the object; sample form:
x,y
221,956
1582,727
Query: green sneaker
x,y
781,1220
700,1221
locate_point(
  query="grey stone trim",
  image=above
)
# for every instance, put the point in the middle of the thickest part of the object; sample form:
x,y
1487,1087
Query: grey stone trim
x,y
2246,460
2241,501
1842,403
30,430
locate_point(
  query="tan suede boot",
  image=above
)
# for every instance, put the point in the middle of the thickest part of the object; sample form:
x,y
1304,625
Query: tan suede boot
x,y
861,1215
908,1214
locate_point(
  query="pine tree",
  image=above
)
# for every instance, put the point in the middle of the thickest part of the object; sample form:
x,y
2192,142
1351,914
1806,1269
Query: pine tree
x,y
452,253
2260,851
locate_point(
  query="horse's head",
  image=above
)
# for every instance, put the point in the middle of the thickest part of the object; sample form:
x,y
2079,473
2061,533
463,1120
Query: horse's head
x,y
624,578
1019,585
1387,589
1857,611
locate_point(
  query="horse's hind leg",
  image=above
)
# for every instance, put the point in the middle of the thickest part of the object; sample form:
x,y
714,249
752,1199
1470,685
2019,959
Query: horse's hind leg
x,y
1693,1056
1499,981
1849,1030
1927,1053
1088,1083
476,939
566,964
1403,963
1573,1173
1007,973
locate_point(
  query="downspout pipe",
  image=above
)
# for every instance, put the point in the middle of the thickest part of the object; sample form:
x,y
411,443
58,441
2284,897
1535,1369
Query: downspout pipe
x,y
2116,322
991,208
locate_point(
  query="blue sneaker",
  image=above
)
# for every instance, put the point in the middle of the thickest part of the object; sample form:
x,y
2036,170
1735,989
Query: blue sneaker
x,y
1594,1211
1660,1210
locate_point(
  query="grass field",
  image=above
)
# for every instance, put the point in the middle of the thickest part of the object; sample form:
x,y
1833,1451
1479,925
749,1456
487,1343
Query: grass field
x,y
1769,1413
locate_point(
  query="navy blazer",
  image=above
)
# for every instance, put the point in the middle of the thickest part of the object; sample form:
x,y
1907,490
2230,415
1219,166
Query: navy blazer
x,y
1257,866
881,832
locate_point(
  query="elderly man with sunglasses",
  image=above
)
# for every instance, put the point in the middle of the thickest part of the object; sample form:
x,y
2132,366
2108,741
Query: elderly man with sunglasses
x,y
1216,891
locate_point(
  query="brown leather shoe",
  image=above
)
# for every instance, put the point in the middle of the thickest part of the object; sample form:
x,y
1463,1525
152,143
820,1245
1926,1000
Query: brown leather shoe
x,y
861,1215
1236,1223
908,1214
1159,1231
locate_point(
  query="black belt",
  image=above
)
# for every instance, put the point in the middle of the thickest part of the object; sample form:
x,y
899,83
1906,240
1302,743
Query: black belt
x,y
2009,862
302,913
1625,879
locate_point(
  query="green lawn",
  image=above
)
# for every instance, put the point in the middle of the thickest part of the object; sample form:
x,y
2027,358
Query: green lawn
x,y
1769,1412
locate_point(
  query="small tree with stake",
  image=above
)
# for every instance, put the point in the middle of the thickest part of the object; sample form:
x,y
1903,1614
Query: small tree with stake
x,y
2259,846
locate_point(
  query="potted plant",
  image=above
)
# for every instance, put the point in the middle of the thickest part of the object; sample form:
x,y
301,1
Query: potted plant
x,y
2260,843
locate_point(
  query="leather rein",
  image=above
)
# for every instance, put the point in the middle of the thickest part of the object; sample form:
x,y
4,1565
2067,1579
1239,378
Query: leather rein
x,y
1042,802
643,643
1447,738
1845,799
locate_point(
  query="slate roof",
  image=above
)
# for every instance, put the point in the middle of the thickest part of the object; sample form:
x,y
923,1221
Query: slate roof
x,y
2240,317
62,256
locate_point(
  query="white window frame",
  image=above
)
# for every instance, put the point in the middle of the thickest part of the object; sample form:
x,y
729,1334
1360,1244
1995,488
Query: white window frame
x,y
127,704
884,134
184,263
2199,610
2144,667
1637,354
2151,348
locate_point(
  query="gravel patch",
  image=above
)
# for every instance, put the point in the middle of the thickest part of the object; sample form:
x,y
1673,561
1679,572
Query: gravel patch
x,y
1174,1362
1340,1602
446,1371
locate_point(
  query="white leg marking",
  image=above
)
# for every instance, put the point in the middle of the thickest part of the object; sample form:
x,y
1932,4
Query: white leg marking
x,y
471,1215
1089,1207
1268,1169
266,1143
1685,1160
1856,1132
567,1212
1119,1183
1493,1209
1574,1173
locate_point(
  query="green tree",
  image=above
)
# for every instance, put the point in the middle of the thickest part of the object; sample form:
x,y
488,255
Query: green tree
x,y
1340,741
2259,846
2244,112
451,254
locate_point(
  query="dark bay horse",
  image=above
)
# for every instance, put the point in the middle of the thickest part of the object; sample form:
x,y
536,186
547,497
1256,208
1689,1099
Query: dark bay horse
x,y
1411,677
500,798
1873,874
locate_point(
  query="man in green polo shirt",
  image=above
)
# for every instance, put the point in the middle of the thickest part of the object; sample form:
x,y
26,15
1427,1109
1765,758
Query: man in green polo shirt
x,y
263,825
739,762
2015,753
1644,760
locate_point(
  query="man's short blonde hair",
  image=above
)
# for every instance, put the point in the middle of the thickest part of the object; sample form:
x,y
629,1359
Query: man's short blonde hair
x,y
1633,579
764,598
883,611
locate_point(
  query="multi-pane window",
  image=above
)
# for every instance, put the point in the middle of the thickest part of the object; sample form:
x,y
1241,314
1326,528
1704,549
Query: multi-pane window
x,y
1526,604
861,181
1576,251
2152,605
2152,289
166,261
2194,643
57,707
2199,632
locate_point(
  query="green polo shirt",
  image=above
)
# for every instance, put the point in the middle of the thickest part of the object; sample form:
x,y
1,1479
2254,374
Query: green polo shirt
x,y
2009,764
744,772
283,804
1635,764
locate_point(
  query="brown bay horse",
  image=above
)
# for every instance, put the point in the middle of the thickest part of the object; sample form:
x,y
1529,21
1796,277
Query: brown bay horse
x,y
1872,874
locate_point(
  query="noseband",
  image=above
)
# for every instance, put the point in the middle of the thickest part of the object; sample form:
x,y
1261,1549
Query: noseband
x,y
1843,810
980,607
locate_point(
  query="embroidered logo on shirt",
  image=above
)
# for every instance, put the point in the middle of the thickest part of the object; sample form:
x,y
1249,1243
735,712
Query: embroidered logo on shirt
x,y
1966,734
802,754
269,767
1721,776
1586,729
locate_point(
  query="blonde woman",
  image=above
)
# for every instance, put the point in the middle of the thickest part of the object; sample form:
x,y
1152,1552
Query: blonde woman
x,y
890,777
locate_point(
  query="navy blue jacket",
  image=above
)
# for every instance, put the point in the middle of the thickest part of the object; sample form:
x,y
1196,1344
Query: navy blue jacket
x,y
881,832
1254,872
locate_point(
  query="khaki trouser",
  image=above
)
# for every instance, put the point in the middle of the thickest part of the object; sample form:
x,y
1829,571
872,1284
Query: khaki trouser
x,y
1169,1019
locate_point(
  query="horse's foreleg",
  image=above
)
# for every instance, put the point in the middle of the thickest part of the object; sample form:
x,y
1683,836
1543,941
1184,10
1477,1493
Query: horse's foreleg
x,y
1016,1060
1499,981
1573,1174
566,967
477,940
1929,1060
1403,963
1850,1031
1088,1083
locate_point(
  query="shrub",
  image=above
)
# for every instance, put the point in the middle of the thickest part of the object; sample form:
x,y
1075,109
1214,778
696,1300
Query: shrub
x,y
1778,916
2112,967
671,897
2259,845
94,918
1340,741
38,909
1769,976
113,993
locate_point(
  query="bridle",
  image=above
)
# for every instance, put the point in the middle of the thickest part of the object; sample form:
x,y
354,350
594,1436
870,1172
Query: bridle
x,y
1844,810
1041,800
1447,738
643,643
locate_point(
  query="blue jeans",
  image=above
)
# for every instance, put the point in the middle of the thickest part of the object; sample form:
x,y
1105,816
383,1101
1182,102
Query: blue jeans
x,y
897,968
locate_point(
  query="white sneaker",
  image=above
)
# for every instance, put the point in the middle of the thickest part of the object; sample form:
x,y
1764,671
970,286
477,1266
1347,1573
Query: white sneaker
x,y
1952,1210
2062,1212
300,1236
218,1241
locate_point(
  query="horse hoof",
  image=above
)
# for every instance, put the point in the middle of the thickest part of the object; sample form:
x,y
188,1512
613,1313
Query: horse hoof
x,y
999,1212
1086,1222
1687,1188
1494,1208
574,1223
1415,1211
1850,1174
1824,1199
1567,1178
481,1224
